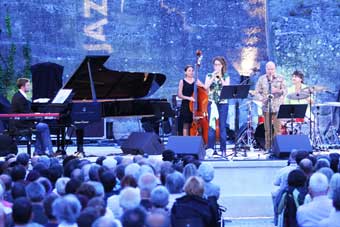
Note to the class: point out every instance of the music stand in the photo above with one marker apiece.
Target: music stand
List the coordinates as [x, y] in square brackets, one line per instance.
[235, 92]
[292, 111]
[164, 111]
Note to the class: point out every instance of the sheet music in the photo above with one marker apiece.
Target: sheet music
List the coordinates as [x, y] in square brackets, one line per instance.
[61, 96]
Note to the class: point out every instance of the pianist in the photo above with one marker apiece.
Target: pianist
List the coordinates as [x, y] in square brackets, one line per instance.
[21, 104]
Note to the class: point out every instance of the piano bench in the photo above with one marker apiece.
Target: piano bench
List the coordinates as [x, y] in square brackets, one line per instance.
[22, 135]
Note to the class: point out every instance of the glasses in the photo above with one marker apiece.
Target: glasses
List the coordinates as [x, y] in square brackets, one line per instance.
[217, 64]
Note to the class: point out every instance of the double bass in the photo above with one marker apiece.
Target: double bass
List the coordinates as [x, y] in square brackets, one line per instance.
[199, 108]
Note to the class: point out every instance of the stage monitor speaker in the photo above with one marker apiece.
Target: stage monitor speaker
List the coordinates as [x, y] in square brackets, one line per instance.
[284, 144]
[187, 145]
[7, 145]
[143, 143]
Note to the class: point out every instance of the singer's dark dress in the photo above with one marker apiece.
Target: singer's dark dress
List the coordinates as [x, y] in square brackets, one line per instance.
[188, 90]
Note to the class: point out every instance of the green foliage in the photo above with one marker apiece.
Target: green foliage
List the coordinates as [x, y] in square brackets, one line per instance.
[8, 72]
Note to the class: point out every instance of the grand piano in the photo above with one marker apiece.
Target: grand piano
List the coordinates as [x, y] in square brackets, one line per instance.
[99, 92]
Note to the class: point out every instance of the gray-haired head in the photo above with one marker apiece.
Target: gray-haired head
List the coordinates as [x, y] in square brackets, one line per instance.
[174, 182]
[146, 169]
[147, 182]
[94, 172]
[318, 184]
[160, 197]
[105, 222]
[206, 172]
[292, 156]
[44, 160]
[328, 172]
[322, 162]
[132, 169]
[61, 184]
[129, 198]
[35, 192]
[110, 162]
[99, 188]
[85, 171]
[66, 209]
[190, 170]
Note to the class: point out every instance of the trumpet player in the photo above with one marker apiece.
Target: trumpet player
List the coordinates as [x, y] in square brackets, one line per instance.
[271, 87]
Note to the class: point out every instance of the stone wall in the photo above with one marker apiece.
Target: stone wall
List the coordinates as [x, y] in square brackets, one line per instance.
[158, 36]
[305, 35]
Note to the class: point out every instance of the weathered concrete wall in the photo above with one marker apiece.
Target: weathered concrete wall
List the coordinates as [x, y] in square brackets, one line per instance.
[305, 35]
[141, 35]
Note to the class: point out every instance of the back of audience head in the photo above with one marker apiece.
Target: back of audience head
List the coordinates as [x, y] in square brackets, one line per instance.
[160, 197]
[7, 181]
[23, 159]
[158, 218]
[100, 160]
[301, 155]
[66, 209]
[133, 169]
[206, 172]
[336, 199]
[292, 156]
[110, 163]
[35, 192]
[128, 181]
[94, 172]
[321, 162]
[190, 170]
[318, 185]
[166, 168]
[47, 204]
[334, 160]
[55, 172]
[194, 186]
[21, 211]
[129, 198]
[99, 204]
[120, 171]
[328, 172]
[87, 217]
[135, 217]
[334, 183]
[297, 178]
[18, 173]
[99, 188]
[72, 186]
[108, 179]
[46, 183]
[147, 182]
[87, 190]
[104, 222]
[33, 175]
[306, 166]
[60, 185]
[174, 182]
[18, 190]
[168, 155]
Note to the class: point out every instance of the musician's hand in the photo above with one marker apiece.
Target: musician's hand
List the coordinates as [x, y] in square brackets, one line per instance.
[191, 99]
[276, 90]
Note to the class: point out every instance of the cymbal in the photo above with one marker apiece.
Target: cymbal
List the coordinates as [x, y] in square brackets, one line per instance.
[315, 88]
[297, 96]
[334, 104]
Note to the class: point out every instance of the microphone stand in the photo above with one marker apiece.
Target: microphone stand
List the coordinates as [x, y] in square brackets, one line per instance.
[270, 96]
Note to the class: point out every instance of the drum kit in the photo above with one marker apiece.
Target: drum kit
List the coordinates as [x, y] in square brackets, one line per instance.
[310, 125]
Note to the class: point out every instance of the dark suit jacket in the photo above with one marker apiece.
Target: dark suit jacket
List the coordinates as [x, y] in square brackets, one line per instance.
[21, 105]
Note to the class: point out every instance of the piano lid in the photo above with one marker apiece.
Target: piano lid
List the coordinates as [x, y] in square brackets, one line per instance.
[110, 84]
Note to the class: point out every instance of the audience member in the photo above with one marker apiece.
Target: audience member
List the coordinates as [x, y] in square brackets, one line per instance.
[206, 172]
[36, 193]
[22, 213]
[319, 208]
[66, 209]
[134, 217]
[334, 219]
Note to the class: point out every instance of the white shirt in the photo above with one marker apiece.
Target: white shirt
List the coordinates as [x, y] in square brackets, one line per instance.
[310, 214]
[332, 221]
